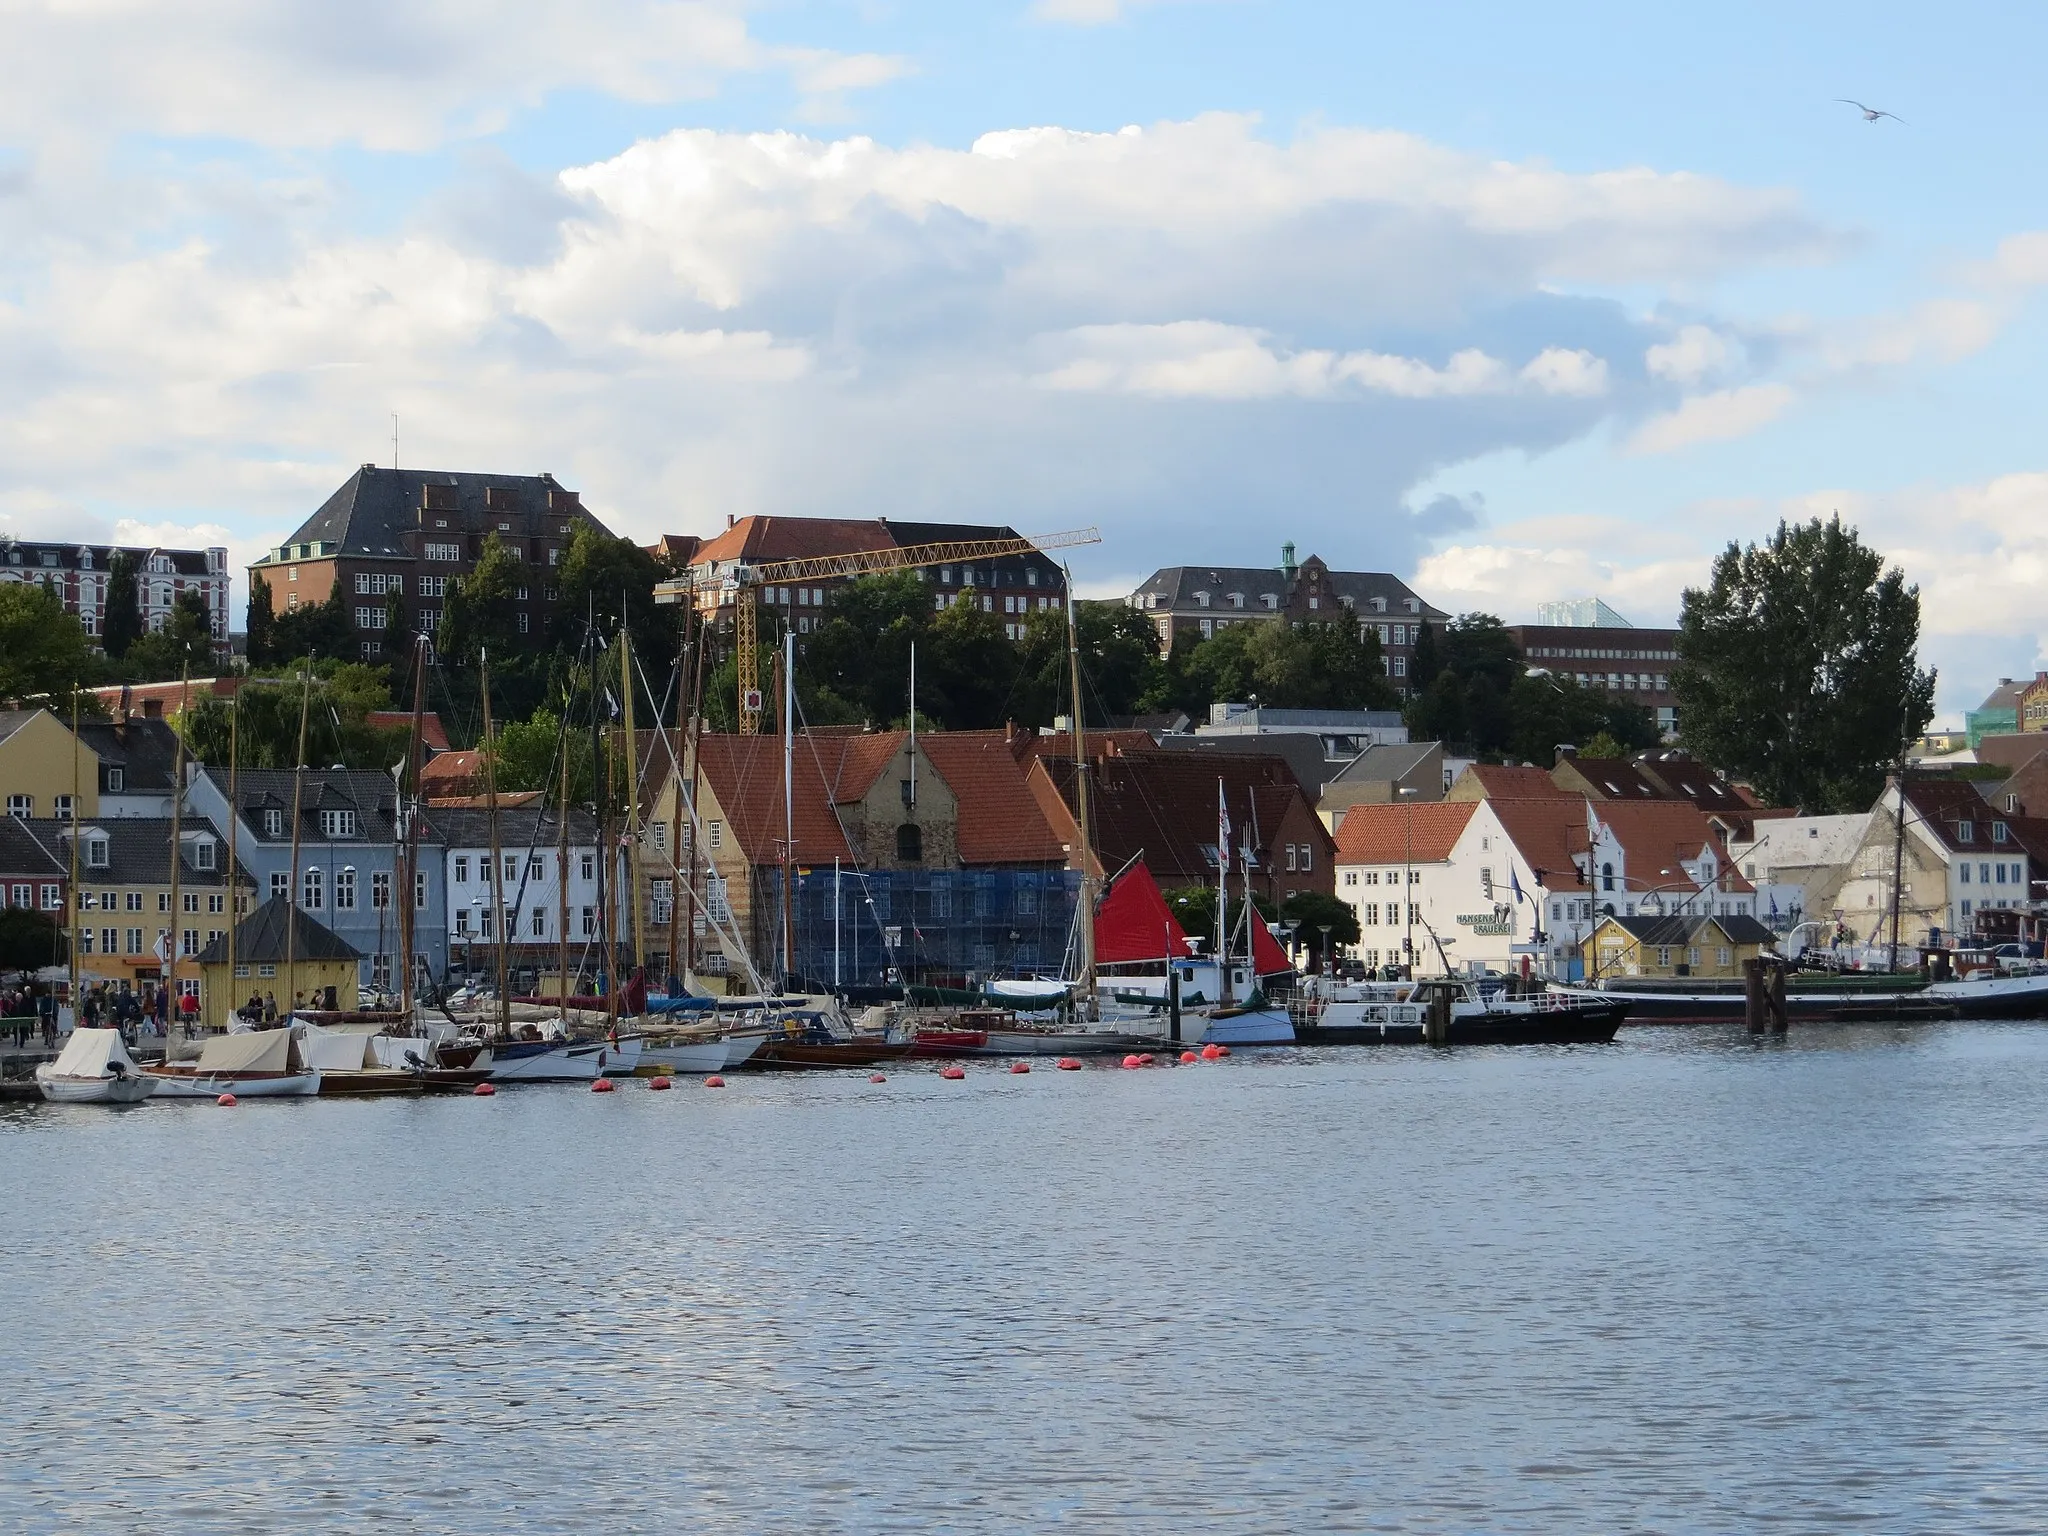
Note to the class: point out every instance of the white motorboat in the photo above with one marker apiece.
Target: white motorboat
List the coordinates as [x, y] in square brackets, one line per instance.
[94, 1068]
[563, 1061]
[683, 1058]
[261, 1064]
[742, 1045]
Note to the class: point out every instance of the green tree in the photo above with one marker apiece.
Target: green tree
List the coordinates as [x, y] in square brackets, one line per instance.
[1549, 710]
[398, 632]
[483, 612]
[1313, 911]
[601, 578]
[1424, 662]
[338, 729]
[43, 650]
[121, 619]
[1468, 702]
[313, 629]
[1119, 656]
[1194, 908]
[30, 940]
[1798, 667]
[526, 756]
[967, 672]
[261, 623]
[861, 653]
[185, 641]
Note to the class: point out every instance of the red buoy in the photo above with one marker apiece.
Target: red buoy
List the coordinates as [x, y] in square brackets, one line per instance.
[1020, 1066]
[1222, 1051]
[656, 1084]
[1068, 1064]
[952, 1074]
[714, 1081]
[226, 1101]
[876, 1077]
[1132, 1061]
[1211, 1052]
[1147, 1059]
[482, 1091]
[602, 1085]
[1189, 1056]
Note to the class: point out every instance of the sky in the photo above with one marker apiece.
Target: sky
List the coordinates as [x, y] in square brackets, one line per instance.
[1516, 302]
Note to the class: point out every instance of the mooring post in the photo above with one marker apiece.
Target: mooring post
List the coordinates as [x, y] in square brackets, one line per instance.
[1781, 1017]
[1437, 1019]
[1172, 1002]
[1753, 994]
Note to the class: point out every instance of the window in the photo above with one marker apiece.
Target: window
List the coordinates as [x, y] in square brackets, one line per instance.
[85, 941]
[335, 824]
[24, 895]
[1692, 957]
[533, 867]
[1606, 877]
[462, 868]
[380, 889]
[273, 823]
[134, 944]
[345, 890]
[1983, 874]
[589, 922]
[202, 853]
[1966, 832]
[163, 901]
[370, 618]
[1663, 955]
[216, 901]
[910, 843]
[315, 889]
[280, 883]
[189, 900]
[433, 551]
[714, 834]
[462, 920]
[1723, 957]
[511, 868]
[1290, 858]
[540, 923]
[53, 898]
[419, 890]
[433, 586]
[525, 623]
[64, 808]
[116, 777]
[96, 853]
[587, 865]
[1998, 831]
[21, 805]
[132, 901]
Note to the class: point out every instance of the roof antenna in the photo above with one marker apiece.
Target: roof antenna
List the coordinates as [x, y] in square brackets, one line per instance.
[394, 439]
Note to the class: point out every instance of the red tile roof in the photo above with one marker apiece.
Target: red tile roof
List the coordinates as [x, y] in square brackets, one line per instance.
[758, 539]
[1394, 834]
[452, 773]
[1550, 835]
[1657, 834]
[431, 732]
[745, 777]
[1000, 823]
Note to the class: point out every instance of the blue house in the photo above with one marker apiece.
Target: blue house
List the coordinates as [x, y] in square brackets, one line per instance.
[348, 857]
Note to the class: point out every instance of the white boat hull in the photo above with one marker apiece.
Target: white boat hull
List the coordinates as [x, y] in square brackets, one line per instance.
[575, 1062]
[1260, 1026]
[739, 1048]
[695, 1058]
[182, 1085]
[132, 1089]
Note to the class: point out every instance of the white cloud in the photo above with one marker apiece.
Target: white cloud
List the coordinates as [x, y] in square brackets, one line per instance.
[1090, 13]
[1567, 371]
[1718, 417]
[390, 74]
[1695, 354]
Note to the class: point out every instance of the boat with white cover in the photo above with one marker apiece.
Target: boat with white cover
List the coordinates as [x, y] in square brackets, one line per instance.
[260, 1064]
[94, 1068]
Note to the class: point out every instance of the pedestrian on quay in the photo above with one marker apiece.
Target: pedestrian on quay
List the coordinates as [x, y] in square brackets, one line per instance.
[269, 1008]
[46, 1010]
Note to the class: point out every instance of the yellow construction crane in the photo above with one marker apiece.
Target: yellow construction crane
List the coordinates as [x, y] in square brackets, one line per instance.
[743, 584]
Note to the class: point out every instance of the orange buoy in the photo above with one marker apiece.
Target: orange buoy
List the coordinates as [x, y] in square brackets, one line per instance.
[876, 1077]
[1020, 1066]
[1189, 1056]
[1222, 1051]
[602, 1085]
[1068, 1064]
[1211, 1052]
[227, 1101]
[1147, 1059]
[952, 1074]
[714, 1081]
[656, 1084]
[482, 1091]
[1132, 1061]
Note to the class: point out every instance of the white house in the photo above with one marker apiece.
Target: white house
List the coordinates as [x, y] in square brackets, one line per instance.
[528, 902]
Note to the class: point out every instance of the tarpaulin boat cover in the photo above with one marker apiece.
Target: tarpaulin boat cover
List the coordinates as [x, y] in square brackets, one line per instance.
[263, 1050]
[332, 1050]
[90, 1052]
[1133, 923]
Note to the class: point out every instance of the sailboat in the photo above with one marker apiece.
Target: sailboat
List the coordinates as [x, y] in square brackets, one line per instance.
[94, 1068]
[266, 1063]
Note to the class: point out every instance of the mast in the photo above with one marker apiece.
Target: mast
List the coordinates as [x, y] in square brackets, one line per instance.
[635, 904]
[676, 964]
[1899, 860]
[234, 826]
[76, 903]
[913, 727]
[788, 804]
[177, 855]
[292, 892]
[499, 920]
[1088, 879]
[600, 790]
[562, 870]
[690, 747]
[1222, 894]
[408, 819]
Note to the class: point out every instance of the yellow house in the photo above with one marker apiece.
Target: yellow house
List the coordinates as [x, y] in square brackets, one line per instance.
[42, 763]
[320, 970]
[1671, 948]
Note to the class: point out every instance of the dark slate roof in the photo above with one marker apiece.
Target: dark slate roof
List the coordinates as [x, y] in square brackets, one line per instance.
[31, 555]
[1175, 587]
[260, 939]
[24, 852]
[1302, 753]
[519, 827]
[145, 750]
[138, 851]
[371, 795]
[375, 507]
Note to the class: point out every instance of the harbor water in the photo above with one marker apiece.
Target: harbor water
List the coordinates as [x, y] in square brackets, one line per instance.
[1687, 1282]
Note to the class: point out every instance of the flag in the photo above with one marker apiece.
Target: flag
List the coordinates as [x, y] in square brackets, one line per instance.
[1222, 830]
[1515, 884]
[611, 701]
[1774, 906]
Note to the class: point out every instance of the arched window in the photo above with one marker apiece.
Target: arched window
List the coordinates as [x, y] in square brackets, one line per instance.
[910, 843]
[314, 890]
[1606, 877]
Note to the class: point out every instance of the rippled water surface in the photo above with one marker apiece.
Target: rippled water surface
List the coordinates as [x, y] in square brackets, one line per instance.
[1684, 1283]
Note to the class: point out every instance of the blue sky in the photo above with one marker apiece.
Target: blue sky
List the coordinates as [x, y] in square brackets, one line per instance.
[1519, 302]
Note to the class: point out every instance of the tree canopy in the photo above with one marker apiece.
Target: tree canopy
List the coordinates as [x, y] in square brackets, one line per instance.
[43, 650]
[1798, 667]
[1473, 691]
[338, 729]
[121, 618]
[1281, 665]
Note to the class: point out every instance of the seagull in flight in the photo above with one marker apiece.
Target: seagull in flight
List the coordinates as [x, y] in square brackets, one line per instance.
[1870, 114]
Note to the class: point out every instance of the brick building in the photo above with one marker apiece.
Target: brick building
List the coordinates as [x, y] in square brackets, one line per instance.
[1592, 644]
[1196, 601]
[78, 573]
[410, 532]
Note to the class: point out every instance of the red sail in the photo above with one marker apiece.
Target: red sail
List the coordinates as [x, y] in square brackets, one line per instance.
[1268, 959]
[1134, 925]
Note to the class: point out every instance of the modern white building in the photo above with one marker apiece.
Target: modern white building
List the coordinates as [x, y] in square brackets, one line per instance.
[528, 896]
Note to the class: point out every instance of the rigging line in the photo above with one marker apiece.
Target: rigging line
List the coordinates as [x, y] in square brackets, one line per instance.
[859, 871]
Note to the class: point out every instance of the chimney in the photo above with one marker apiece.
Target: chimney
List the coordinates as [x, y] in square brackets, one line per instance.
[127, 702]
[1566, 752]
[728, 519]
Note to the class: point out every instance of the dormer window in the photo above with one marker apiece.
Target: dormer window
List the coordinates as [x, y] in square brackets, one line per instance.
[338, 824]
[96, 852]
[202, 853]
[273, 823]
[1998, 831]
[1414, 605]
[1202, 599]
[116, 777]
[1271, 600]
[1237, 599]
[1966, 832]
[1379, 605]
